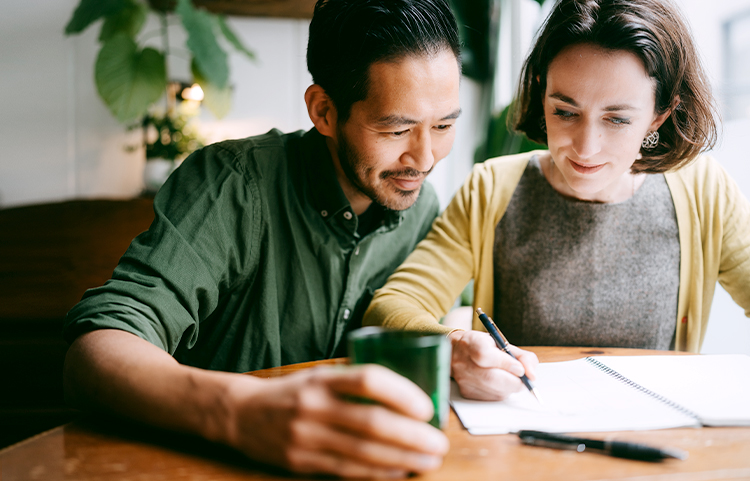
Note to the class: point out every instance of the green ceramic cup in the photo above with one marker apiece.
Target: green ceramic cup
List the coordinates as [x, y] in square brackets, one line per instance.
[425, 359]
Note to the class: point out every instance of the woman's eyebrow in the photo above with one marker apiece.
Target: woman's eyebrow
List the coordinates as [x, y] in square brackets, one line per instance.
[610, 108]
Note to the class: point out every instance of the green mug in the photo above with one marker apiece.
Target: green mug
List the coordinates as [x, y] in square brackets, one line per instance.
[425, 359]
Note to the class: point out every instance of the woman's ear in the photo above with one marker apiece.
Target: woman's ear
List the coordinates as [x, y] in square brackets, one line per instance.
[321, 110]
[661, 118]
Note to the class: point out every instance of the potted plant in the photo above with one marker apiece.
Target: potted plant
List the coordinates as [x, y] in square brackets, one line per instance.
[168, 137]
[132, 75]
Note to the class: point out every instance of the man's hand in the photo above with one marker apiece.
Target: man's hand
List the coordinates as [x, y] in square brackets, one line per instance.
[483, 371]
[304, 423]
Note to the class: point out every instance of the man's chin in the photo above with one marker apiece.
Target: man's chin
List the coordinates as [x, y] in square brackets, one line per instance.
[400, 199]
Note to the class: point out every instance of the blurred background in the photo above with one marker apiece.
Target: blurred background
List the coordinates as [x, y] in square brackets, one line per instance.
[60, 142]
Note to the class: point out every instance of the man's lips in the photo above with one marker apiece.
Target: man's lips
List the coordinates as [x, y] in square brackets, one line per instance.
[407, 183]
[585, 168]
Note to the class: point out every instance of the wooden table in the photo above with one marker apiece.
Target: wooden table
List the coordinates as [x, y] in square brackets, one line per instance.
[102, 449]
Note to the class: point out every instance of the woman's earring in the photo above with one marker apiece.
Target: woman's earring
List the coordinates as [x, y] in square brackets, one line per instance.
[543, 125]
[651, 140]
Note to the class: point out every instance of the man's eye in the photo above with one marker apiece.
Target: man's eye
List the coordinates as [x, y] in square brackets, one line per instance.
[443, 126]
[399, 133]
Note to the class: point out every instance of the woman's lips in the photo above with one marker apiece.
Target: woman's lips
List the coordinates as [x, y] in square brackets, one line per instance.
[585, 168]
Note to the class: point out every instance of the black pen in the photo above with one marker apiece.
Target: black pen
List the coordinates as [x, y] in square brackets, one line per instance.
[503, 345]
[619, 449]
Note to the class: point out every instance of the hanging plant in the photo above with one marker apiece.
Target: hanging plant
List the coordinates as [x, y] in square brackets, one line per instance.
[131, 77]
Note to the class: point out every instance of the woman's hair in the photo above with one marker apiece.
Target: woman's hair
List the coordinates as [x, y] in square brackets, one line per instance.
[655, 32]
[347, 36]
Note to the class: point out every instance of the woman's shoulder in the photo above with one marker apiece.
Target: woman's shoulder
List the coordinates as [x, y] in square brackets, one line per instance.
[701, 174]
[703, 182]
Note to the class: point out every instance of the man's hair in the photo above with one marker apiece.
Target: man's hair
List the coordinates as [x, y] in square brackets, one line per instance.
[655, 32]
[347, 36]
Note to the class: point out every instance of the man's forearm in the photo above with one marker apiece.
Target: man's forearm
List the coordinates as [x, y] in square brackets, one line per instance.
[115, 371]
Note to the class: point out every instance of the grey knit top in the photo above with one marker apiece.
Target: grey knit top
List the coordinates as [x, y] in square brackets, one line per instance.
[576, 273]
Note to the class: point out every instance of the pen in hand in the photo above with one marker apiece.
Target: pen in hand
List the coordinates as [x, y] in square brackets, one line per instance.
[503, 345]
[618, 449]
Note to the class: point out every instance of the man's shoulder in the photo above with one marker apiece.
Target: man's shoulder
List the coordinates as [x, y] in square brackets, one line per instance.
[272, 143]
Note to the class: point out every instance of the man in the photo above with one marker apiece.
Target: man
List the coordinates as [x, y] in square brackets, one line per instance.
[265, 251]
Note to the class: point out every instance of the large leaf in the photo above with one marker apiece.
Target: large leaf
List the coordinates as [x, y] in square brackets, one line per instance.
[233, 39]
[217, 100]
[209, 56]
[89, 11]
[129, 21]
[128, 79]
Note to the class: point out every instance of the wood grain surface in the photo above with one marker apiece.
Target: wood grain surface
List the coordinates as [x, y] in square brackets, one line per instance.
[104, 449]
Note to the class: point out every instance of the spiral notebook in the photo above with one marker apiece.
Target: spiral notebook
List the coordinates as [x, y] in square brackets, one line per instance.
[620, 393]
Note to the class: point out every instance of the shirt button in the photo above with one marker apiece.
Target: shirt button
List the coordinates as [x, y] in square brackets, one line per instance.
[348, 215]
[346, 313]
[324, 213]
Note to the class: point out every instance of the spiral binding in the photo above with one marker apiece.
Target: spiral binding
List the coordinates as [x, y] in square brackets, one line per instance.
[659, 397]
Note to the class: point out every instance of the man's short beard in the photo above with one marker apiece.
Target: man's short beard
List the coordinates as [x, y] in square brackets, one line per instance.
[356, 170]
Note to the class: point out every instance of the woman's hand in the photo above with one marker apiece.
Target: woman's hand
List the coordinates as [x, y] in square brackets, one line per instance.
[483, 371]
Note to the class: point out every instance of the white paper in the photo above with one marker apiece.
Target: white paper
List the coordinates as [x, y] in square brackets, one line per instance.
[579, 397]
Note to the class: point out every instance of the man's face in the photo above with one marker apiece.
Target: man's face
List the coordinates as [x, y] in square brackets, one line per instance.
[395, 136]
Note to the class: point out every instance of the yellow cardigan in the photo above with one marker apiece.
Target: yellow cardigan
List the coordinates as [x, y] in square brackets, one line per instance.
[713, 219]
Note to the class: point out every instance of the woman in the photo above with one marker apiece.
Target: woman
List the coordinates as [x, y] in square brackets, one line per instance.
[617, 234]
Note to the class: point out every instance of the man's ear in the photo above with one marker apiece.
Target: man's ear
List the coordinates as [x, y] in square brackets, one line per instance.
[321, 110]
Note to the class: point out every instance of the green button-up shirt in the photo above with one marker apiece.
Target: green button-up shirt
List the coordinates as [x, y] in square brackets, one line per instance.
[254, 259]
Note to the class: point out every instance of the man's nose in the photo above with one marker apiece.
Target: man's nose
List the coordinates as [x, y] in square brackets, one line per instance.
[419, 155]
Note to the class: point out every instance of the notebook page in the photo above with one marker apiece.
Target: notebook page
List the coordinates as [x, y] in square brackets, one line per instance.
[714, 386]
[577, 397]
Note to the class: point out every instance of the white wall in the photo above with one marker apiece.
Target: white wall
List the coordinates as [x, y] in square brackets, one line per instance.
[729, 329]
[60, 142]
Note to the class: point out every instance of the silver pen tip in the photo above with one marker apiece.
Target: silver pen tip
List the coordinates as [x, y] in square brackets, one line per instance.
[536, 395]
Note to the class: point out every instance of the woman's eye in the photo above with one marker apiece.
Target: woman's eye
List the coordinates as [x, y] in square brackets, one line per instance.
[564, 114]
[619, 120]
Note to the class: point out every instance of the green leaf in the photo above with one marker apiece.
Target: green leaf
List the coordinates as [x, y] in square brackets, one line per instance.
[233, 39]
[129, 80]
[502, 141]
[129, 21]
[216, 99]
[208, 55]
[89, 11]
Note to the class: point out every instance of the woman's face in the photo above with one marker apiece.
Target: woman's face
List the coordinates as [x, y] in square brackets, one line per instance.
[598, 106]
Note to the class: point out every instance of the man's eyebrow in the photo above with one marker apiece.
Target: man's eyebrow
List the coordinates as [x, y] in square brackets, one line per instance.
[391, 120]
[610, 108]
[453, 115]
